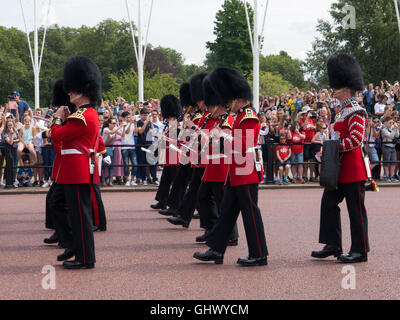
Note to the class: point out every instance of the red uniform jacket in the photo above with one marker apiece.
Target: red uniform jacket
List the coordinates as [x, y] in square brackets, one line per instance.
[218, 172]
[246, 130]
[201, 124]
[351, 127]
[56, 161]
[171, 156]
[79, 140]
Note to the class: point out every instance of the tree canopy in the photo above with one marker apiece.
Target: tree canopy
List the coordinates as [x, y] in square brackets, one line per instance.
[375, 41]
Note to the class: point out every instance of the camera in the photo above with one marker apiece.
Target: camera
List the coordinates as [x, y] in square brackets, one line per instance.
[313, 115]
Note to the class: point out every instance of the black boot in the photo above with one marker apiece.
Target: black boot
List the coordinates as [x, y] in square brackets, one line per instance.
[53, 239]
[74, 265]
[158, 206]
[178, 221]
[68, 254]
[326, 252]
[210, 255]
[252, 262]
[353, 257]
[170, 212]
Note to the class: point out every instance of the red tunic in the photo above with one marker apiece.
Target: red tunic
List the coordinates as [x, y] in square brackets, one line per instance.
[171, 155]
[218, 172]
[201, 124]
[56, 161]
[246, 130]
[78, 139]
[351, 127]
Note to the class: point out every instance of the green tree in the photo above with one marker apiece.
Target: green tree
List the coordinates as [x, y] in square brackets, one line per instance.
[273, 84]
[232, 47]
[375, 42]
[125, 84]
[290, 69]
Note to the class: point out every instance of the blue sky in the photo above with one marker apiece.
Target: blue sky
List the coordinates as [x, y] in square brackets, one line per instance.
[185, 25]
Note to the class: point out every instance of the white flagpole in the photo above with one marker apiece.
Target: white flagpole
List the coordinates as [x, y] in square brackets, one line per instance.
[36, 56]
[396, 5]
[256, 61]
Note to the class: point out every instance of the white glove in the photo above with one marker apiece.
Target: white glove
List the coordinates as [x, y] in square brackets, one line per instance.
[107, 160]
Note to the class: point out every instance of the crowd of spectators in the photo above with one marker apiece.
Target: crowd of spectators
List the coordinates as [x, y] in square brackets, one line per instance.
[297, 123]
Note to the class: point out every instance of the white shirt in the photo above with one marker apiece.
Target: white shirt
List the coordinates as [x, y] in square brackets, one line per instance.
[379, 108]
[129, 138]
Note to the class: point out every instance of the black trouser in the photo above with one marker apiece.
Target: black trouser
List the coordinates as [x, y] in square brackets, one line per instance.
[167, 179]
[189, 202]
[209, 199]
[331, 229]
[141, 155]
[242, 199]
[100, 206]
[49, 214]
[179, 186]
[78, 211]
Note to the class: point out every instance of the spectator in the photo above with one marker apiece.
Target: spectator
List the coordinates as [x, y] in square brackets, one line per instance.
[321, 135]
[308, 120]
[389, 133]
[297, 159]
[10, 136]
[368, 97]
[380, 106]
[145, 140]
[38, 173]
[12, 107]
[118, 170]
[48, 154]
[23, 106]
[26, 135]
[109, 132]
[2, 143]
[371, 135]
[128, 149]
[283, 154]
[25, 174]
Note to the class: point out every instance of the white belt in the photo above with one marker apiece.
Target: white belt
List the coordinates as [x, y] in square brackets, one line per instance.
[72, 151]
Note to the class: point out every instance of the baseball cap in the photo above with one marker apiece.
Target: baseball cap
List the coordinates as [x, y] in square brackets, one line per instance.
[16, 93]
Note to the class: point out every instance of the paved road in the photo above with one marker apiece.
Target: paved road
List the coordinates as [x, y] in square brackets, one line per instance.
[141, 256]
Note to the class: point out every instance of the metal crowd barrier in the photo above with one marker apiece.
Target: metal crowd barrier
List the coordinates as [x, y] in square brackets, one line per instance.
[268, 147]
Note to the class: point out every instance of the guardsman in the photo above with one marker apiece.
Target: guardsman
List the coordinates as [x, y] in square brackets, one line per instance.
[79, 139]
[211, 191]
[189, 202]
[244, 176]
[60, 98]
[346, 78]
[171, 111]
[184, 173]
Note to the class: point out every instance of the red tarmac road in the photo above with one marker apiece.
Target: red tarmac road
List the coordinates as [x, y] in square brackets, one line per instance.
[143, 257]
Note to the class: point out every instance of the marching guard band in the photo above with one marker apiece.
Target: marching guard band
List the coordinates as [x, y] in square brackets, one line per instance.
[212, 163]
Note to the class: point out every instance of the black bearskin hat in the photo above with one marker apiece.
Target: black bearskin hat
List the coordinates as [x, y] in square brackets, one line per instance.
[230, 85]
[185, 95]
[210, 97]
[196, 87]
[82, 75]
[60, 97]
[345, 72]
[170, 107]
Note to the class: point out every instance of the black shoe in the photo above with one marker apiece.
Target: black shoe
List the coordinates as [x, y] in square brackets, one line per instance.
[203, 237]
[353, 257]
[178, 221]
[326, 252]
[233, 242]
[99, 228]
[170, 212]
[252, 262]
[68, 254]
[52, 240]
[196, 216]
[210, 255]
[74, 265]
[158, 206]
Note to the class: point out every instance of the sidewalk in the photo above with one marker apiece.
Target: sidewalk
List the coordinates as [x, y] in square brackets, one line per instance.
[152, 188]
